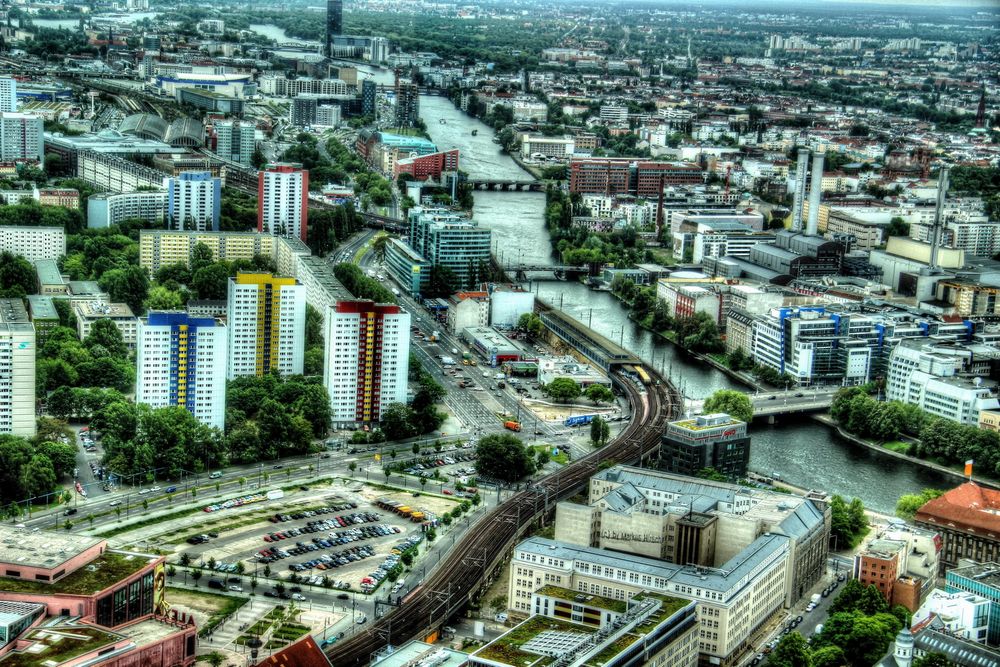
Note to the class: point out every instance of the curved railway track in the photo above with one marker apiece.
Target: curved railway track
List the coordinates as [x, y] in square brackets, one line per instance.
[470, 562]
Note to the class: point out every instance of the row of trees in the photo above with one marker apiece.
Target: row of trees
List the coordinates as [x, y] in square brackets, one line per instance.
[504, 457]
[858, 632]
[360, 285]
[938, 439]
[200, 278]
[401, 421]
[566, 389]
[698, 333]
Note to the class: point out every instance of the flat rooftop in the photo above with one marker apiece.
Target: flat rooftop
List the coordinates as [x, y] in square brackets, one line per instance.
[42, 307]
[578, 597]
[100, 309]
[416, 653]
[44, 549]
[987, 574]
[58, 643]
[48, 272]
[12, 311]
[555, 633]
[106, 570]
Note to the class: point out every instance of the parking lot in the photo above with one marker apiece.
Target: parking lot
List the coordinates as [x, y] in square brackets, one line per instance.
[341, 538]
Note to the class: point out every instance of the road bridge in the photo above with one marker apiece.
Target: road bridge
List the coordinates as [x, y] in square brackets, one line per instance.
[777, 403]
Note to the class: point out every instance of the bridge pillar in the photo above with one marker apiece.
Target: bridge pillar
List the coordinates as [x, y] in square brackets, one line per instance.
[771, 420]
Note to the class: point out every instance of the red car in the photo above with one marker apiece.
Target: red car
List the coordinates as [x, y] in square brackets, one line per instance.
[447, 492]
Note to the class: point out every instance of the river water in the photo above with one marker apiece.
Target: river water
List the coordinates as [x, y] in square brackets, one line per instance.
[803, 452]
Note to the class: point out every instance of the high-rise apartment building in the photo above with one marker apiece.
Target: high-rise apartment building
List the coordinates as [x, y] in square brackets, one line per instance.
[235, 141]
[407, 103]
[33, 243]
[21, 136]
[8, 94]
[443, 238]
[266, 320]
[17, 369]
[367, 353]
[181, 360]
[334, 23]
[194, 201]
[283, 200]
[369, 93]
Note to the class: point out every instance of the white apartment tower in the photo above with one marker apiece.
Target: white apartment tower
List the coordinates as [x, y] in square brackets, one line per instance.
[282, 196]
[17, 369]
[181, 360]
[367, 359]
[8, 95]
[21, 137]
[266, 320]
[194, 201]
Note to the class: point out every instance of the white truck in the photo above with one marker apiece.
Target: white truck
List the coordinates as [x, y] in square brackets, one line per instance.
[447, 361]
[816, 597]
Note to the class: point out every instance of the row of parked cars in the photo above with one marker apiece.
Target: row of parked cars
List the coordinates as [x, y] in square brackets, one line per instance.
[335, 560]
[426, 465]
[373, 579]
[317, 526]
[332, 540]
[339, 507]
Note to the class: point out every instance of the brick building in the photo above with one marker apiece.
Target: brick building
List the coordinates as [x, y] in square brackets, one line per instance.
[967, 519]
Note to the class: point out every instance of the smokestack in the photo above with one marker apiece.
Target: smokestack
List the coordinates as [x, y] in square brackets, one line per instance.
[799, 195]
[815, 191]
[938, 214]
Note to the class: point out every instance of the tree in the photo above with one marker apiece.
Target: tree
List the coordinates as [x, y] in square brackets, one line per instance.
[127, 285]
[599, 431]
[734, 403]
[212, 281]
[598, 393]
[897, 227]
[908, 504]
[791, 651]
[503, 456]
[828, 656]
[215, 659]
[17, 276]
[38, 477]
[531, 324]
[398, 422]
[195, 575]
[562, 389]
[163, 298]
[105, 338]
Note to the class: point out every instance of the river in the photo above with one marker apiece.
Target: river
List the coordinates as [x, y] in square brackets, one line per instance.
[803, 452]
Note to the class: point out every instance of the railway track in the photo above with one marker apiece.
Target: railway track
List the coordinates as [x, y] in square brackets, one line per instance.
[483, 549]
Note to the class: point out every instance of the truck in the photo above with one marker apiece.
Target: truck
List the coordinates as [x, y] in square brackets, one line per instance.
[447, 361]
[815, 598]
[434, 336]
[512, 426]
[579, 420]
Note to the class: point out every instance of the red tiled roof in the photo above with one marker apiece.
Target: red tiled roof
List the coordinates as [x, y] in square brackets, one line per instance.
[303, 653]
[968, 506]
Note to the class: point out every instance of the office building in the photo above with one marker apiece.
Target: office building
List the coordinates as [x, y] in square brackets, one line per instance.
[367, 357]
[159, 248]
[21, 137]
[328, 115]
[444, 238]
[983, 580]
[579, 629]
[635, 176]
[732, 601]
[283, 200]
[410, 269]
[963, 614]
[266, 320]
[51, 282]
[302, 113]
[88, 313]
[17, 369]
[104, 209]
[554, 148]
[334, 23]
[33, 243]
[235, 141]
[882, 564]
[944, 379]
[966, 519]
[44, 316]
[213, 101]
[424, 167]
[686, 520]
[707, 441]
[181, 361]
[507, 305]
[68, 599]
[194, 201]
[8, 94]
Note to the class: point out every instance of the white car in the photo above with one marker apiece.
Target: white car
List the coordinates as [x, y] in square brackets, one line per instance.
[298, 597]
[236, 589]
[501, 617]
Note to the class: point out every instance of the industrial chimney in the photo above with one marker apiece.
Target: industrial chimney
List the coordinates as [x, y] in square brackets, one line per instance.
[815, 192]
[938, 214]
[798, 197]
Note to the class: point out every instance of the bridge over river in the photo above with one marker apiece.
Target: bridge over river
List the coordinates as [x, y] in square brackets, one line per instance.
[772, 404]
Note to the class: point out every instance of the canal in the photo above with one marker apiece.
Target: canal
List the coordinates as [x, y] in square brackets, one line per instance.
[803, 452]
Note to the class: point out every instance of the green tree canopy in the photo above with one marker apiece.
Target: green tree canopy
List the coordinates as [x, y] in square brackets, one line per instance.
[504, 457]
[562, 389]
[734, 403]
